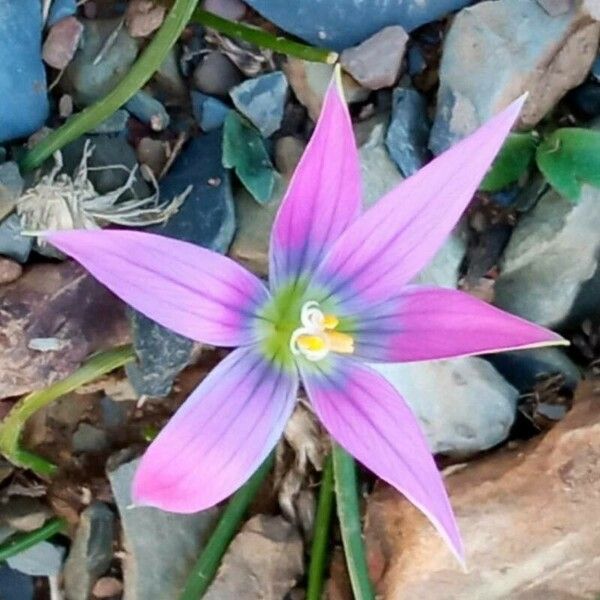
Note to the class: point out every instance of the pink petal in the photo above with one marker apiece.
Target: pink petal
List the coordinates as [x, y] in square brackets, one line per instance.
[323, 197]
[364, 413]
[397, 237]
[219, 437]
[425, 323]
[191, 290]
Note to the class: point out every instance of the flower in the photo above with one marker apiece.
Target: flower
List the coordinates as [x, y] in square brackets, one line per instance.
[339, 295]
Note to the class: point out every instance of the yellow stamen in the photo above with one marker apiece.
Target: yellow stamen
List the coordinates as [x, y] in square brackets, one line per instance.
[311, 343]
[340, 342]
[330, 321]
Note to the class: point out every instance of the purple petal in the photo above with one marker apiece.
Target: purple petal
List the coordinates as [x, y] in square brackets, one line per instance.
[426, 323]
[190, 290]
[323, 197]
[397, 237]
[219, 437]
[364, 413]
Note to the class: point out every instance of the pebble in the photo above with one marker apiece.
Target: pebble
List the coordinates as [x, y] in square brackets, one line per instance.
[148, 110]
[43, 559]
[143, 17]
[408, 131]
[234, 10]
[9, 270]
[107, 587]
[24, 514]
[12, 243]
[556, 7]
[11, 187]
[22, 86]
[62, 42]
[152, 153]
[216, 75]
[376, 63]
[88, 438]
[209, 112]
[262, 101]
[116, 123]
[61, 9]
[15, 585]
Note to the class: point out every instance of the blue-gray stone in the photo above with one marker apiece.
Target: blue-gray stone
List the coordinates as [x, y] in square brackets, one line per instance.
[339, 24]
[61, 9]
[22, 74]
[207, 219]
[15, 585]
[596, 69]
[11, 187]
[416, 61]
[43, 559]
[116, 123]
[262, 101]
[148, 110]
[408, 132]
[12, 243]
[209, 112]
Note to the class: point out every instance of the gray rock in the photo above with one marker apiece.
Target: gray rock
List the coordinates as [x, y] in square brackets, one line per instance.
[43, 559]
[88, 438]
[148, 110]
[168, 79]
[15, 585]
[22, 78]
[100, 63]
[233, 10]
[262, 100]
[408, 131]
[24, 514]
[508, 47]
[216, 74]
[464, 404]
[161, 547]
[91, 551]
[556, 7]
[12, 243]
[207, 219]
[552, 253]
[339, 24]
[11, 187]
[114, 414]
[376, 62]
[209, 112]
[116, 123]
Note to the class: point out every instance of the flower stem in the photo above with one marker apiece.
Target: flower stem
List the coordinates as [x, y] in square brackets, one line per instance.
[14, 422]
[264, 39]
[346, 492]
[208, 562]
[318, 551]
[146, 65]
[22, 541]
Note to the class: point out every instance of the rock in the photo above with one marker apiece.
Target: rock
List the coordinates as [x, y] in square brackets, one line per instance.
[88, 438]
[61, 9]
[24, 514]
[376, 62]
[556, 7]
[11, 187]
[12, 243]
[149, 111]
[23, 85]
[107, 587]
[234, 10]
[585, 99]
[216, 75]
[169, 82]
[151, 569]
[531, 489]
[114, 414]
[97, 66]
[43, 559]
[153, 154]
[9, 270]
[142, 17]
[339, 24]
[37, 306]
[91, 551]
[508, 47]
[408, 131]
[463, 404]
[244, 150]
[309, 80]
[206, 218]
[262, 101]
[552, 253]
[15, 585]
[116, 123]
[209, 112]
[265, 560]
[62, 42]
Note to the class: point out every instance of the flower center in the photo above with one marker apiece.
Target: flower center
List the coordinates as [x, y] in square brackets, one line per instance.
[317, 336]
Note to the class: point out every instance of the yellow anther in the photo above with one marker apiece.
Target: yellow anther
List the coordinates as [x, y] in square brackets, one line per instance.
[330, 321]
[311, 343]
[340, 342]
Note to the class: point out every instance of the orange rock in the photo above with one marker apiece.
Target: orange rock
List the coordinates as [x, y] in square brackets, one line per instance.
[529, 516]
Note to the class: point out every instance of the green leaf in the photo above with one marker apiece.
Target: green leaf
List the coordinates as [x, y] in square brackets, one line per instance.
[570, 157]
[244, 150]
[512, 161]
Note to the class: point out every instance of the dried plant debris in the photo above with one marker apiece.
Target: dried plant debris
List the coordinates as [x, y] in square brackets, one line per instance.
[548, 403]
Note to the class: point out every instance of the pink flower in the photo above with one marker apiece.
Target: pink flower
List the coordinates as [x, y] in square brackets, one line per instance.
[338, 295]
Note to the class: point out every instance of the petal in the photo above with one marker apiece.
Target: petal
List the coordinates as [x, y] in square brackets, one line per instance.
[388, 245]
[220, 435]
[190, 290]
[323, 197]
[366, 415]
[426, 323]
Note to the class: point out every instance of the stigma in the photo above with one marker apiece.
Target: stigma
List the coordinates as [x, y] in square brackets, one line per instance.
[317, 337]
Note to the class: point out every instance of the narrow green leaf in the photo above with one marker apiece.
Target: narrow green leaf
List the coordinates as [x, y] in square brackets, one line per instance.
[570, 157]
[512, 161]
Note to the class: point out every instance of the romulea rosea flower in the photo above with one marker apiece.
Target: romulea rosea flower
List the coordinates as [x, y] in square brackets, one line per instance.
[339, 296]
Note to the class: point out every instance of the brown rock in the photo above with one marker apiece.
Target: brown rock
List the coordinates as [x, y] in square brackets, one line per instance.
[62, 42]
[9, 270]
[143, 17]
[54, 301]
[529, 516]
[107, 587]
